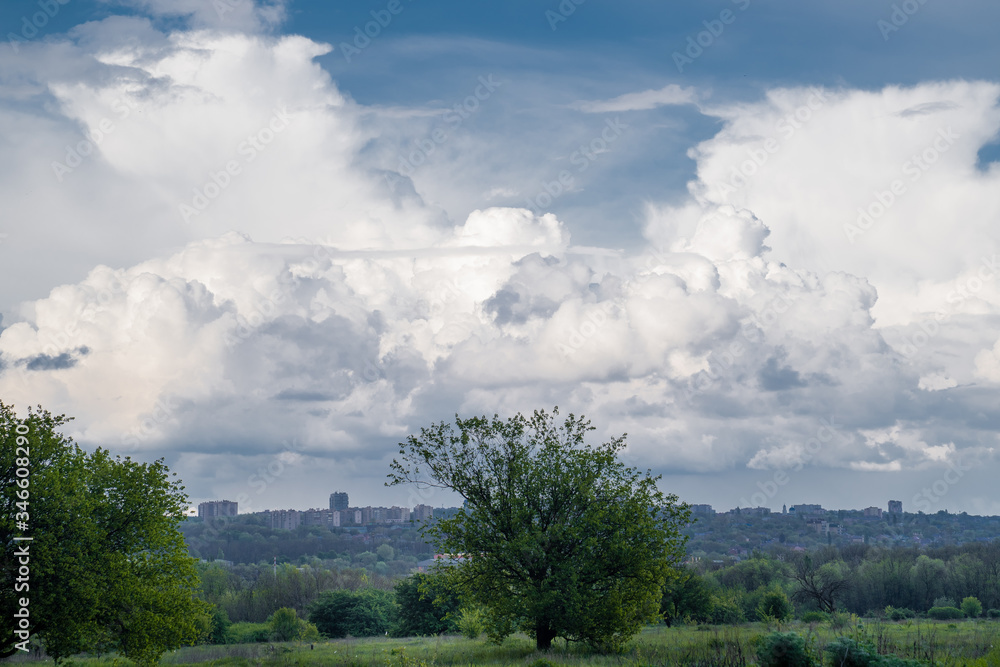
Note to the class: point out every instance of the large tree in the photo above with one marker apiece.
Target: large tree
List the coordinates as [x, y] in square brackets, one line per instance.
[108, 567]
[557, 537]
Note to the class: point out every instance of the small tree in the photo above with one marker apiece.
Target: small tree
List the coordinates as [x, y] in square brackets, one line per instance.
[285, 625]
[367, 613]
[972, 607]
[562, 539]
[425, 606]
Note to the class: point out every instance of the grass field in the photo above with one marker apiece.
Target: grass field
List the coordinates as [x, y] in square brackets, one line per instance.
[935, 643]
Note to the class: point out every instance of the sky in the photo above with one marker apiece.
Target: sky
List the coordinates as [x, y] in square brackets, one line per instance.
[268, 240]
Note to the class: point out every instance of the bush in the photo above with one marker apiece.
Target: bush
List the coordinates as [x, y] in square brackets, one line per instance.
[780, 649]
[774, 604]
[248, 633]
[471, 622]
[814, 617]
[899, 614]
[366, 613]
[944, 601]
[726, 611]
[972, 607]
[845, 652]
[993, 613]
[945, 613]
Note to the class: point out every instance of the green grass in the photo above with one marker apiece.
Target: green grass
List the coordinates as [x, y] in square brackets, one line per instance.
[938, 643]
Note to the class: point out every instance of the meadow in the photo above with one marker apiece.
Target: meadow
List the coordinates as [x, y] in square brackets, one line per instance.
[972, 643]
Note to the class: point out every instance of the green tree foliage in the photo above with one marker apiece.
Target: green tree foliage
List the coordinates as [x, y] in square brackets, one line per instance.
[563, 539]
[109, 568]
[972, 607]
[784, 650]
[384, 552]
[425, 606]
[774, 604]
[686, 596]
[945, 613]
[366, 613]
[823, 585]
[285, 625]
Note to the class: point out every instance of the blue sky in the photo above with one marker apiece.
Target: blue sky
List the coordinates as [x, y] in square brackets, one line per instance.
[239, 236]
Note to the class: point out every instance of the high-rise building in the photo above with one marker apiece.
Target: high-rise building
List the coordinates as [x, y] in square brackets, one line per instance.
[895, 507]
[214, 508]
[339, 501]
[423, 513]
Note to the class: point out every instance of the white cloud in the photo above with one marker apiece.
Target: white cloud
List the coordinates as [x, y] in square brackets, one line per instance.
[669, 95]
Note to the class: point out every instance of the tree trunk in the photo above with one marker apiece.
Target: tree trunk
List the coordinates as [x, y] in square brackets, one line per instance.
[544, 634]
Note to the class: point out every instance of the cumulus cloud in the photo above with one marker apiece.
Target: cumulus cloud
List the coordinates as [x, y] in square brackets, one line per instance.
[264, 297]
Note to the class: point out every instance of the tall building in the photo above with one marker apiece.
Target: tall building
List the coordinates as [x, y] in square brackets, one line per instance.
[214, 508]
[873, 512]
[702, 509]
[339, 501]
[895, 507]
[423, 513]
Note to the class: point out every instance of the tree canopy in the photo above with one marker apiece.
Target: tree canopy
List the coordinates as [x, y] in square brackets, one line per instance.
[558, 537]
[108, 566]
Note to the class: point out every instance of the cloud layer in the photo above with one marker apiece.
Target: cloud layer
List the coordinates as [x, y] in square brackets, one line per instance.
[825, 297]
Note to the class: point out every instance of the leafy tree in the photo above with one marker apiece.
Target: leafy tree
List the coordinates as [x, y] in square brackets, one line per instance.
[686, 596]
[823, 585]
[563, 539]
[366, 613]
[972, 607]
[285, 625]
[384, 552]
[108, 566]
[425, 606]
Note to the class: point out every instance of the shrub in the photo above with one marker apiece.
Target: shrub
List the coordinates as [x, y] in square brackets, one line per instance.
[786, 649]
[945, 613]
[993, 613]
[471, 622]
[840, 620]
[366, 613]
[726, 611]
[972, 607]
[774, 604]
[944, 601]
[899, 614]
[248, 633]
[814, 617]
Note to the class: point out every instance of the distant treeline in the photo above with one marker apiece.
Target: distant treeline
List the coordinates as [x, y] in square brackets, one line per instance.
[857, 578]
